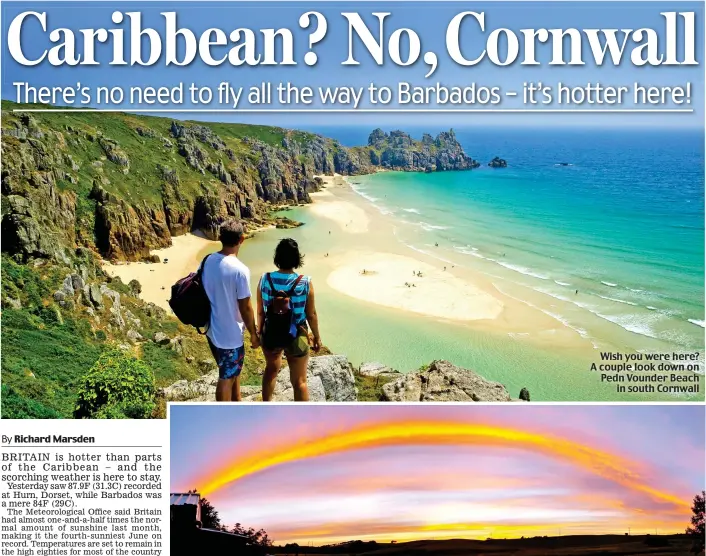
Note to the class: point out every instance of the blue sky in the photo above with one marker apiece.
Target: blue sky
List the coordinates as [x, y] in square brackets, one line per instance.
[429, 20]
[325, 474]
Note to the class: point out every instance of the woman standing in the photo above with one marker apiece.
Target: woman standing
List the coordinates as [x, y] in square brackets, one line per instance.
[285, 303]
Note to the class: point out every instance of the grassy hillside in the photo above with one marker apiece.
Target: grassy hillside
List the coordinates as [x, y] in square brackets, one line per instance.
[48, 348]
[52, 165]
[81, 186]
[123, 184]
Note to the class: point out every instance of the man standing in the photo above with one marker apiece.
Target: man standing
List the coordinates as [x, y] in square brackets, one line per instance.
[227, 284]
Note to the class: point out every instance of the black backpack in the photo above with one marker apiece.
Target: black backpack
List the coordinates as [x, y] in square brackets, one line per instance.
[189, 300]
[279, 330]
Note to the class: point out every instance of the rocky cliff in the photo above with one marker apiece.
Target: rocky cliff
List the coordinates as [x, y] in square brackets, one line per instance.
[123, 185]
[333, 378]
[78, 187]
[398, 151]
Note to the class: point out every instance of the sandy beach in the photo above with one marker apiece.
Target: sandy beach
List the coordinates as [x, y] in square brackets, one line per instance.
[391, 314]
[157, 278]
[411, 285]
[450, 294]
[349, 217]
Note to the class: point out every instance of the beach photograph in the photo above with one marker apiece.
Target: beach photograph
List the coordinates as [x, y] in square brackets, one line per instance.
[159, 250]
[437, 277]
[438, 479]
[525, 302]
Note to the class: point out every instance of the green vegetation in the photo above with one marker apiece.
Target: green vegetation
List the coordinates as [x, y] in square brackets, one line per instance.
[117, 385]
[49, 352]
[78, 183]
[137, 136]
[370, 387]
[78, 186]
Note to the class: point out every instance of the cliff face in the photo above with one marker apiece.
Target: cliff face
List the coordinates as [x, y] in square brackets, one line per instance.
[122, 185]
[398, 151]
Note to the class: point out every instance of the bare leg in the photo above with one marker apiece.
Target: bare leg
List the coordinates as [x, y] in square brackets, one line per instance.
[297, 375]
[235, 394]
[272, 366]
[224, 389]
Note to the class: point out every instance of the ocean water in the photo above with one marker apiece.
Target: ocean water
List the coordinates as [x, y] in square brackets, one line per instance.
[616, 215]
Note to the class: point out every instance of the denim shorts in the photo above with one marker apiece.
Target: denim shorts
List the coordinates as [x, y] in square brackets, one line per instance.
[229, 361]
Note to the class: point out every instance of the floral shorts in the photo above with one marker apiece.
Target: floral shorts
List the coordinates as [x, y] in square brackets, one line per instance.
[229, 361]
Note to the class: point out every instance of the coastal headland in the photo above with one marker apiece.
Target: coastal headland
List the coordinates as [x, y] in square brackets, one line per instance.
[104, 212]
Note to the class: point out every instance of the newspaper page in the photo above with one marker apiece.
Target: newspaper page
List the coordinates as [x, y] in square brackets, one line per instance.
[328, 277]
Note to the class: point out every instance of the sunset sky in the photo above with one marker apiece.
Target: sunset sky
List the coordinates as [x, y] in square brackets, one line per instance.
[323, 474]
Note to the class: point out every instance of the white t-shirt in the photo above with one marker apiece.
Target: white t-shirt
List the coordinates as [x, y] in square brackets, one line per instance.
[226, 280]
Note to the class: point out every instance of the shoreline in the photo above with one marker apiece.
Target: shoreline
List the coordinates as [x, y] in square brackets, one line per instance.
[362, 238]
[445, 292]
[455, 295]
[475, 320]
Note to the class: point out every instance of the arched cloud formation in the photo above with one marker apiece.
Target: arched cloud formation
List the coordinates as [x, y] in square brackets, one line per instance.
[608, 466]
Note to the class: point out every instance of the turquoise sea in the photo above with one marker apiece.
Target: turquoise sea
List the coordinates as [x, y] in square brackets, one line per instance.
[601, 229]
[622, 223]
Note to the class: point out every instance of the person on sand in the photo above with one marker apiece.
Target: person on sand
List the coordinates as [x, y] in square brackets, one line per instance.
[300, 292]
[227, 283]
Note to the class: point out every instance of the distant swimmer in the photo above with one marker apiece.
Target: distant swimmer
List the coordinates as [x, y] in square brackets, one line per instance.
[444, 269]
[577, 292]
[436, 245]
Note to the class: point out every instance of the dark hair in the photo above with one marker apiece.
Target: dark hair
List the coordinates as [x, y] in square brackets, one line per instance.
[231, 233]
[287, 254]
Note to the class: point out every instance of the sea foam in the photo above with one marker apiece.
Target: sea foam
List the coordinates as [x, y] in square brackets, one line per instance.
[431, 227]
[523, 270]
[617, 300]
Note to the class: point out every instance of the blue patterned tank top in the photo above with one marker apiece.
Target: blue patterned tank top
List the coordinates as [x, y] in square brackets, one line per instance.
[284, 281]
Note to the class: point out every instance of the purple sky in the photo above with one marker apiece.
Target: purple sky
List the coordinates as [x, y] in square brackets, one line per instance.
[331, 473]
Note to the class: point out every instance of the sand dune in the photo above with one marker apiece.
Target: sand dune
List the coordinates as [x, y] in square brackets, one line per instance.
[437, 293]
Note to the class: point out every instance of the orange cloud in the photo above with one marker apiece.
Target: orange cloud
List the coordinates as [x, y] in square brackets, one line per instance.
[603, 464]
